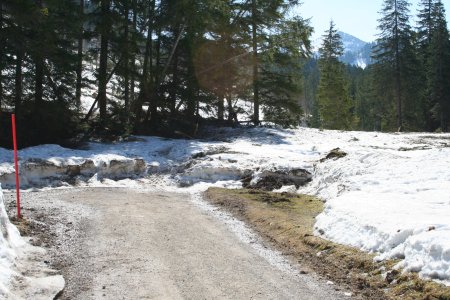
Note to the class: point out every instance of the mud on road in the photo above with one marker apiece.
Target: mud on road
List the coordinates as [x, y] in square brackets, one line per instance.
[114, 243]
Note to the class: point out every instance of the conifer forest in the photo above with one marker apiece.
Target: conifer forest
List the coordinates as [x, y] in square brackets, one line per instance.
[166, 67]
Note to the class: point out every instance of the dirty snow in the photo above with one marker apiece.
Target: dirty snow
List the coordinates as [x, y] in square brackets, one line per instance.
[23, 275]
[10, 241]
[390, 194]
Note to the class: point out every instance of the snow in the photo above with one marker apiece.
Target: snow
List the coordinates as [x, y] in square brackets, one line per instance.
[17, 256]
[10, 241]
[390, 195]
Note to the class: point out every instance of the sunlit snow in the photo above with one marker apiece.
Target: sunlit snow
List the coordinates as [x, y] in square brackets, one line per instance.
[390, 194]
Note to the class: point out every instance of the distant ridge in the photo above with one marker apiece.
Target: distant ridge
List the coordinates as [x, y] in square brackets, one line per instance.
[356, 51]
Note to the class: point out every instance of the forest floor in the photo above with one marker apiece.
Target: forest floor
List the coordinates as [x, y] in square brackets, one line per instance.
[118, 243]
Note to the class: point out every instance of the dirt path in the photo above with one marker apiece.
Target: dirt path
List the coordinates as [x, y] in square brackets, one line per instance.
[122, 244]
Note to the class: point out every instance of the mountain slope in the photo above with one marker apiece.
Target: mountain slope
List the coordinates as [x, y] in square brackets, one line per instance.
[356, 51]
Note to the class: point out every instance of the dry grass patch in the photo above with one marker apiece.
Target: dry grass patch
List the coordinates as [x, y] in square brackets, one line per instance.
[22, 224]
[287, 220]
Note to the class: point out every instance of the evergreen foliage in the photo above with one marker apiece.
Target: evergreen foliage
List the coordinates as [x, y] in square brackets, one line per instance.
[333, 97]
[37, 66]
[434, 45]
[410, 68]
[152, 66]
[281, 80]
[394, 58]
[157, 67]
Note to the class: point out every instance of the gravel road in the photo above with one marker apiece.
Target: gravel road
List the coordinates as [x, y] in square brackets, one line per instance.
[124, 244]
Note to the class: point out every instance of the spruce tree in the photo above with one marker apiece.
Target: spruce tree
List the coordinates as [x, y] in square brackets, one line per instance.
[433, 49]
[397, 65]
[438, 68]
[261, 19]
[425, 25]
[423, 45]
[104, 31]
[5, 61]
[154, 49]
[79, 68]
[38, 56]
[311, 75]
[2, 53]
[281, 78]
[333, 98]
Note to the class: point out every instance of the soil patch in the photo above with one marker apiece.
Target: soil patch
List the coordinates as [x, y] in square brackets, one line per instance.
[287, 220]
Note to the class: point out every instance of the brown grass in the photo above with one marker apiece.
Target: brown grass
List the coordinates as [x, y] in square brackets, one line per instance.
[287, 220]
[23, 225]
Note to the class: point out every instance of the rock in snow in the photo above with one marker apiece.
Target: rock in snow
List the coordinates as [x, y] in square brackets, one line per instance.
[275, 180]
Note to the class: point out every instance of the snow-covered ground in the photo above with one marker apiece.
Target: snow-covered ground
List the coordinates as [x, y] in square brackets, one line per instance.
[23, 274]
[389, 195]
[10, 241]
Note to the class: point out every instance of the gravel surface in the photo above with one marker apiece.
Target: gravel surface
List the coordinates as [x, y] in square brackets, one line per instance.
[124, 244]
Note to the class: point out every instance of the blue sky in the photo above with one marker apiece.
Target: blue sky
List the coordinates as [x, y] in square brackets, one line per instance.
[356, 17]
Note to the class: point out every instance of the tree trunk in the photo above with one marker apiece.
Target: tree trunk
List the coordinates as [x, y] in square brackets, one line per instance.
[1, 85]
[220, 107]
[146, 69]
[133, 56]
[39, 69]
[2, 46]
[103, 68]
[191, 101]
[126, 57]
[173, 90]
[430, 22]
[157, 77]
[18, 80]
[397, 73]
[145, 84]
[232, 116]
[255, 65]
[39, 82]
[158, 57]
[153, 108]
[79, 70]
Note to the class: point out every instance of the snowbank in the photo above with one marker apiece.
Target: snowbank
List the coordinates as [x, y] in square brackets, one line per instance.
[390, 194]
[17, 258]
[10, 241]
[48, 165]
[395, 202]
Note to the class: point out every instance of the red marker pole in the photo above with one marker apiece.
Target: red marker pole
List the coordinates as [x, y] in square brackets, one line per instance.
[16, 165]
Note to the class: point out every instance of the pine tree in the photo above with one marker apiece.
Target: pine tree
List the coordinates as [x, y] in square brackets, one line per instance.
[5, 61]
[281, 78]
[2, 53]
[396, 62]
[438, 68]
[333, 97]
[261, 18]
[311, 75]
[255, 63]
[79, 68]
[424, 36]
[104, 30]
[38, 47]
[432, 47]
[425, 25]
[161, 50]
